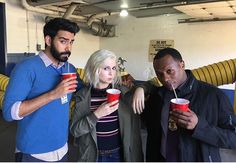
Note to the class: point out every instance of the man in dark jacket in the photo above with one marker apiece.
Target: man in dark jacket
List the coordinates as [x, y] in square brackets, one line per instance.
[209, 124]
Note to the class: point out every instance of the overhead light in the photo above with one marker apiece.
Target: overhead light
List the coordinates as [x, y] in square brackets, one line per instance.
[124, 13]
[124, 5]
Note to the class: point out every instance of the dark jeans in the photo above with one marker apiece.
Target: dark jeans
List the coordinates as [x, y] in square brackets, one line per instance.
[111, 156]
[22, 157]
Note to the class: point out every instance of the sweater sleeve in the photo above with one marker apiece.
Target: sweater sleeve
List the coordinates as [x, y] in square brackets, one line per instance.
[18, 88]
[221, 133]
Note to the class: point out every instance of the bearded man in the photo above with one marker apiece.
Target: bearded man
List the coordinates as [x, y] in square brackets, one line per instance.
[38, 99]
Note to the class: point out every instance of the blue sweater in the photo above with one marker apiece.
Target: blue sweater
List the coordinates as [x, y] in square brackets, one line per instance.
[46, 129]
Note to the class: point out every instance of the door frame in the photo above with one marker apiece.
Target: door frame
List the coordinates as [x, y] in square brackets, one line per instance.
[3, 39]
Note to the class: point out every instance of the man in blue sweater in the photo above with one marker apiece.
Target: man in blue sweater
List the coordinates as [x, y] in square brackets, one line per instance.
[39, 100]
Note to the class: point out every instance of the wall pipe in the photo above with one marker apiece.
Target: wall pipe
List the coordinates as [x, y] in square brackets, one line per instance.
[70, 10]
[50, 12]
[96, 27]
[38, 10]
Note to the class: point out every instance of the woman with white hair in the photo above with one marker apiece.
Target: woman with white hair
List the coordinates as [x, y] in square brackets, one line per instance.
[105, 132]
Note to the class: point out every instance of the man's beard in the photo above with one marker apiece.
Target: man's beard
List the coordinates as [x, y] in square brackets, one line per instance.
[60, 56]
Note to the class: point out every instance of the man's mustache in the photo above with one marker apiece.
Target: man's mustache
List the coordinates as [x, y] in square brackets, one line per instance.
[68, 53]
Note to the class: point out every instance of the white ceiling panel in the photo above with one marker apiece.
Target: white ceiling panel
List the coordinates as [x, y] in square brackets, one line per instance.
[188, 7]
[224, 15]
[214, 5]
[223, 9]
[233, 3]
[219, 10]
[197, 15]
[234, 8]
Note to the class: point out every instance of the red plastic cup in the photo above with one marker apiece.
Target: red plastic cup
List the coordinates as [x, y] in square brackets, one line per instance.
[112, 95]
[68, 75]
[179, 103]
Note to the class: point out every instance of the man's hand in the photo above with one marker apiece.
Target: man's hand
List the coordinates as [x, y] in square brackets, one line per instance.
[64, 87]
[187, 120]
[138, 100]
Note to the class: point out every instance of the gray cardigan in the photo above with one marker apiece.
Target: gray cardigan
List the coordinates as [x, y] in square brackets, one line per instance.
[83, 128]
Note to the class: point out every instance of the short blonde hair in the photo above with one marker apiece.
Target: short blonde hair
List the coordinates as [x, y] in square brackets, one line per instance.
[94, 64]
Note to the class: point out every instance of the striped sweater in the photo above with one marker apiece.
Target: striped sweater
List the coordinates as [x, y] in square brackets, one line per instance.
[108, 135]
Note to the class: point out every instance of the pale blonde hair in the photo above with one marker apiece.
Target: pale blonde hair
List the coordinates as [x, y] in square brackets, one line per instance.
[94, 64]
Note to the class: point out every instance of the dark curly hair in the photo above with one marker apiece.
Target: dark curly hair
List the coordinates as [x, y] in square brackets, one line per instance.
[54, 25]
[168, 51]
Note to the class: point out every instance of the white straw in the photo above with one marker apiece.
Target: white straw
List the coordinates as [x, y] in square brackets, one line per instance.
[174, 93]
[68, 64]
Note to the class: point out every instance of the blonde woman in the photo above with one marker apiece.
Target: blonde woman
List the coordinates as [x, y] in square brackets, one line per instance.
[105, 131]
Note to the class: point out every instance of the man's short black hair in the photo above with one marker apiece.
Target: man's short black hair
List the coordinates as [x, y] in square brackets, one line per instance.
[54, 25]
[168, 51]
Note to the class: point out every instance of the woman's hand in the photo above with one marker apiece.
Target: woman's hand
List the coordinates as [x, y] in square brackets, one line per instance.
[106, 109]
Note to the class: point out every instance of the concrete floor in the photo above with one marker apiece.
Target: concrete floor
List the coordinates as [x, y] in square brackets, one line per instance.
[7, 140]
[7, 144]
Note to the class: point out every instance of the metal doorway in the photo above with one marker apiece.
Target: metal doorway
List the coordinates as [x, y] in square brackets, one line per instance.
[3, 39]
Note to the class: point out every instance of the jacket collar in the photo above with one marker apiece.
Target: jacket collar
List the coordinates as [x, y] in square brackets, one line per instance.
[187, 86]
[184, 89]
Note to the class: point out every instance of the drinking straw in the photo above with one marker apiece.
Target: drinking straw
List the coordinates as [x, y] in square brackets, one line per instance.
[174, 92]
[68, 65]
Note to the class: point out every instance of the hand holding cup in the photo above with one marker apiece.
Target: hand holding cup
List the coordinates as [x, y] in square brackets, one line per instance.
[72, 83]
[112, 95]
[176, 105]
[106, 109]
[180, 104]
[182, 115]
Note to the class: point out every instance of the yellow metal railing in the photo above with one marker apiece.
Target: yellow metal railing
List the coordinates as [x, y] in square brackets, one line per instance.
[3, 85]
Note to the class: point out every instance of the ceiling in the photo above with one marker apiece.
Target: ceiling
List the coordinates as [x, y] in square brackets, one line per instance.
[215, 11]
[93, 12]
[142, 8]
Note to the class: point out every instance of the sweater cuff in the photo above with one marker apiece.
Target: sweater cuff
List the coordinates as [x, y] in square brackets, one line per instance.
[15, 111]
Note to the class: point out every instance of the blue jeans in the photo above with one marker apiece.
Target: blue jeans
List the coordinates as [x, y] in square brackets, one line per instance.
[113, 156]
[22, 157]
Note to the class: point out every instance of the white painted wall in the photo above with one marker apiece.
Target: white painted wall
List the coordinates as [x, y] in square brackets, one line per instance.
[25, 30]
[200, 43]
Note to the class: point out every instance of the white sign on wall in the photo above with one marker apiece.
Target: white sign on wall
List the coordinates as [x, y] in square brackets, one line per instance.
[156, 45]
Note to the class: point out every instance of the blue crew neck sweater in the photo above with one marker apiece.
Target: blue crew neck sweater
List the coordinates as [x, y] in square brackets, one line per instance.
[46, 129]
